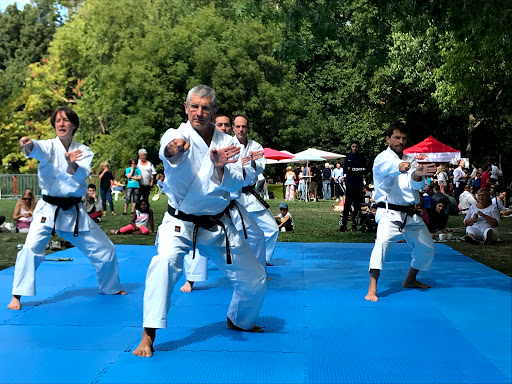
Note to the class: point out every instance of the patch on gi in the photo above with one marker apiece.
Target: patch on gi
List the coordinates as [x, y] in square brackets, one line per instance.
[177, 228]
[43, 219]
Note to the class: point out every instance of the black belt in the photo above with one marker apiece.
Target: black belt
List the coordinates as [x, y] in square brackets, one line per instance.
[233, 204]
[203, 221]
[409, 209]
[65, 203]
[250, 189]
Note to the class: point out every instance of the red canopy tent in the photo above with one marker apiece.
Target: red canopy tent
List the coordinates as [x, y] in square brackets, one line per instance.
[435, 151]
[272, 154]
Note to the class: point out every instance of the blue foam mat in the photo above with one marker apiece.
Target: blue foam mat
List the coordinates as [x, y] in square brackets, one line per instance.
[318, 327]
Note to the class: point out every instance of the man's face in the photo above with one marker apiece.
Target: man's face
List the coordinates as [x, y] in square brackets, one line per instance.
[142, 157]
[241, 129]
[440, 208]
[355, 148]
[397, 142]
[199, 112]
[462, 164]
[338, 165]
[223, 124]
[91, 192]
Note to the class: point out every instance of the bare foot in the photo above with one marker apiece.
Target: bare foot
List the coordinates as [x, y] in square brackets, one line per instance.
[121, 292]
[371, 296]
[145, 348]
[414, 284]
[15, 303]
[254, 329]
[187, 287]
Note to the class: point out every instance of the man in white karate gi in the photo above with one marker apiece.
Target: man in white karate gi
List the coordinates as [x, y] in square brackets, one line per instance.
[196, 268]
[200, 172]
[397, 180]
[63, 167]
[250, 199]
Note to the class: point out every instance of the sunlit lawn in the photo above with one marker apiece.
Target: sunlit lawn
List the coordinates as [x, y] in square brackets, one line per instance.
[314, 222]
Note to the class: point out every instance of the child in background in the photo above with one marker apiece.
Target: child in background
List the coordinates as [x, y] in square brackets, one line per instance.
[142, 218]
[369, 224]
[284, 219]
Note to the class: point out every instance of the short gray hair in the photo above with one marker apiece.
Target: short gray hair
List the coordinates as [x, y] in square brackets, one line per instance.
[203, 91]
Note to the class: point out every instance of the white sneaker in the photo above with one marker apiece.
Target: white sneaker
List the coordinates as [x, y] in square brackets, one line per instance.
[337, 200]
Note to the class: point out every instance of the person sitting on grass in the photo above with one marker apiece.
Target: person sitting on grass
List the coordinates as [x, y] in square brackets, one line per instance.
[284, 219]
[482, 220]
[92, 204]
[24, 210]
[369, 224]
[142, 218]
[438, 219]
[501, 203]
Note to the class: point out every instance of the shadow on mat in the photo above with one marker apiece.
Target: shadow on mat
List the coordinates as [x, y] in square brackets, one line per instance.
[86, 292]
[268, 323]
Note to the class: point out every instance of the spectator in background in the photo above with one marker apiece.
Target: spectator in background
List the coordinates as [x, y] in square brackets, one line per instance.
[486, 177]
[337, 175]
[23, 211]
[482, 220]
[476, 182]
[460, 178]
[106, 185]
[92, 204]
[147, 171]
[442, 178]
[466, 199]
[133, 175]
[289, 183]
[141, 221]
[370, 224]
[438, 219]
[354, 166]
[315, 179]
[427, 201]
[496, 174]
[326, 181]
[501, 203]
[284, 219]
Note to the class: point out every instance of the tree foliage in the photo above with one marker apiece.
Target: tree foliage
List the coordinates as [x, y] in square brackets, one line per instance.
[306, 72]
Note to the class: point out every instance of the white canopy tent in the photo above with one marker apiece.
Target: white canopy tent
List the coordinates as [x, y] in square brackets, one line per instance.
[319, 153]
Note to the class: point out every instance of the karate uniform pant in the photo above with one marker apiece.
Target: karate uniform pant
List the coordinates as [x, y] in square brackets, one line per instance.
[196, 269]
[481, 233]
[174, 242]
[415, 233]
[267, 224]
[92, 243]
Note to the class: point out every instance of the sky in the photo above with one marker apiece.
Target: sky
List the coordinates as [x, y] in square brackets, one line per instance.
[20, 3]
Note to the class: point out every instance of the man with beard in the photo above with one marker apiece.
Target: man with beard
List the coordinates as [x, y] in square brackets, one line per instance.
[397, 180]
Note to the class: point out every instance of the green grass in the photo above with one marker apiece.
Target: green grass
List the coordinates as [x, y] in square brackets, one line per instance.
[314, 222]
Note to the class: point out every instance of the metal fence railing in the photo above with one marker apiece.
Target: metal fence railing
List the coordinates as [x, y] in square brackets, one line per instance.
[13, 185]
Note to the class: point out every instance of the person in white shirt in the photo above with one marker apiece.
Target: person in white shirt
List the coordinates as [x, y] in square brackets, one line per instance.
[482, 220]
[63, 167]
[148, 173]
[466, 199]
[397, 180]
[201, 170]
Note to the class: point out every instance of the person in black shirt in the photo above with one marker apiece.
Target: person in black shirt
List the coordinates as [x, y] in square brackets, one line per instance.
[106, 183]
[354, 166]
[316, 177]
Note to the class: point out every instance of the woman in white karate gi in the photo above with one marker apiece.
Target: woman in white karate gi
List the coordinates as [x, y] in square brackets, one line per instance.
[63, 167]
